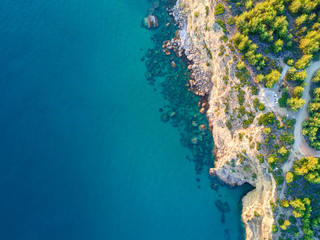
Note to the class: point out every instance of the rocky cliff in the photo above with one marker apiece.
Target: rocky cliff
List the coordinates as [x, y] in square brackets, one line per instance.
[213, 75]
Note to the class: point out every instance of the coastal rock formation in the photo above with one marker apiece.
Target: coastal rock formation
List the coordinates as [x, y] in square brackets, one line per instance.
[236, 160]
[151, 21]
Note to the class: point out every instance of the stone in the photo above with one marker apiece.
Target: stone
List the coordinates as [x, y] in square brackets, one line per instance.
[194, 140]
[202, 110]
[171, 113]
[202, 127]
[194, 123]
[173, 64]
[151, 21]
[148, 75]
[164, 117]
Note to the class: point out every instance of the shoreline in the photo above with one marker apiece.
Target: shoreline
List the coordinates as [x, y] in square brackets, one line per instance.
[256, 228]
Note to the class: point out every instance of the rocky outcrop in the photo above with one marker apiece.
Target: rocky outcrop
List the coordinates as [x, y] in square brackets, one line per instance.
[199, 40]
[151, 21]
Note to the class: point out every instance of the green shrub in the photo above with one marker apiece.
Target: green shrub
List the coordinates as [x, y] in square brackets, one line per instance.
[231, 21]
[222, 25]
[219, 9]
[207, 11]
[284, 98]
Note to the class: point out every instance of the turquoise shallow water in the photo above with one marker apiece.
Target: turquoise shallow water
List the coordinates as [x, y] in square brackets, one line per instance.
[84, 154]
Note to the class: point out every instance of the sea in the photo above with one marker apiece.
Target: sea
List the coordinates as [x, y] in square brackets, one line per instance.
[84, 154]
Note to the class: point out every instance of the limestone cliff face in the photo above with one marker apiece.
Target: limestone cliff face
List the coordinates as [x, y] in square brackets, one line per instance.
[236, 161]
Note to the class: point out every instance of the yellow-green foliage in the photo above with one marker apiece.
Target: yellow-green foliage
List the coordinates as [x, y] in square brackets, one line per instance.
[262, 18]
[219, 9]
[316, 77]
[285, 224]
[305, 6]
[299, 206]
[270, 79]
[295, 103]
[284, 203]
[312, 124]
[308, 167]
[303, 61]
[289, 177]
[267, 130]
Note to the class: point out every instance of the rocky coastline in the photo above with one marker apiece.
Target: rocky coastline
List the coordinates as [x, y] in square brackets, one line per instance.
[200, 48]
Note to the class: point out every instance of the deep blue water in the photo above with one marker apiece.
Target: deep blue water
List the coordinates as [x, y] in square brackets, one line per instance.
[83, 152]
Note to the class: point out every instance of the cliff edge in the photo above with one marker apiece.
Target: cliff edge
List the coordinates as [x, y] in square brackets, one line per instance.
[213, 74]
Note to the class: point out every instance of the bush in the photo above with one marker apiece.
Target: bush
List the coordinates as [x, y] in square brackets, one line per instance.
[207, 11]
[222, 25]
[261, 107]
[266, 119]
[284, 203]
[219, 9]
[267, 130]
[287, 138]
[240, 66]
[231, 21]
[274, 228]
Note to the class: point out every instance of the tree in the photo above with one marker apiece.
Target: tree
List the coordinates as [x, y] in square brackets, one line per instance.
[240, 66]
[285, 224]
[287, 138]
[249, 5]
[299, 207]
[316, 77]
[283, 151]
[308, 167]
[303, 61]
[267, 130]
[266, 119]
[295, 103]
[272, 78]
[310, 43]
[277, 47]
[297, 91]
[300, 76]
[289, 177]
[301, 19]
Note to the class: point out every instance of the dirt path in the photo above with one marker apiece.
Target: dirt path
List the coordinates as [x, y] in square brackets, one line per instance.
[300, 146]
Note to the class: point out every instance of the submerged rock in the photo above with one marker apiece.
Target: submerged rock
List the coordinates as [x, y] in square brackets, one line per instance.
[202, 127]
[222, 206]
[164, 117]
[194, 123]
[148, 75]
[171, 113]
[151, 21]
[194, 140]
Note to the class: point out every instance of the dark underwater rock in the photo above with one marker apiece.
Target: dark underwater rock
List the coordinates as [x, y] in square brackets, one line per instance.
[164, 117]
[222, 206]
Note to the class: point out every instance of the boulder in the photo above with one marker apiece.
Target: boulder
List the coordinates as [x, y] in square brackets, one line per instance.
[151, 21]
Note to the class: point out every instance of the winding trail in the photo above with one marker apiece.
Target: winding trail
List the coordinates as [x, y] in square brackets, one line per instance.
[300, 146]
